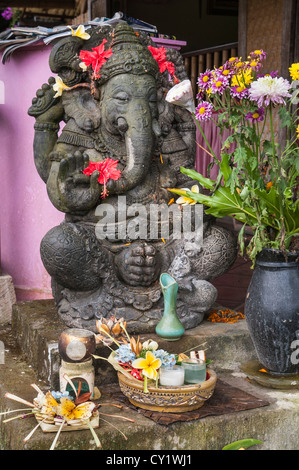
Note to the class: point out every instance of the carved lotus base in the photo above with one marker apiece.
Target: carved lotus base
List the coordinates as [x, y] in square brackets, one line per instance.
[168, 399]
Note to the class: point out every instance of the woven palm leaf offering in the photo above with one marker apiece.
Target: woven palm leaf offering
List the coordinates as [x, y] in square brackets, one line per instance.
[156, 380]
[61, 411]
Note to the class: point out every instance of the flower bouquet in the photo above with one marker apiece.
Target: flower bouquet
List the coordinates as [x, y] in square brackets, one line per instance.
[139, 366]
[258, 168]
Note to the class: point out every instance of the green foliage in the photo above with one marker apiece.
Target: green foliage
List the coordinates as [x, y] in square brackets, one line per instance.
[258, 176]
[242, 444]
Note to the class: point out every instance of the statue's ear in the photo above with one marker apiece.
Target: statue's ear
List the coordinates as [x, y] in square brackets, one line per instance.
[80, 105]
[64, 60]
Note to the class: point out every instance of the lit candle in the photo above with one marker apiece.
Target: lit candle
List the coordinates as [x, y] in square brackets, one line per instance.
[172, 376]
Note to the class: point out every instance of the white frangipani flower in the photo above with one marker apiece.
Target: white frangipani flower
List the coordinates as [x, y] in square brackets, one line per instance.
[185, 200]
[80, 32]
[59, 86]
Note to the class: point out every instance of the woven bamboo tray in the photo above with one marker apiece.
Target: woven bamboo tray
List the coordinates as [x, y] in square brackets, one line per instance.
[94, 421]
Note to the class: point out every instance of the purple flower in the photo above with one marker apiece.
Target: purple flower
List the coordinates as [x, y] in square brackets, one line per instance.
[219, 84]
[204, 111]
[204, 79]
[271, 74]
[256, 116]
[7, 13]
[258, 54]
[225, 71]
[239, 92]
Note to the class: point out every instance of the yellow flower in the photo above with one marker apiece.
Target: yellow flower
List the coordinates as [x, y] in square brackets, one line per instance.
[80, 32]
[48, 404]
[294, 71]
[297, 130]
[149, 365]
[185, 200]
[59, 86]
[244, 78]
[69, 411]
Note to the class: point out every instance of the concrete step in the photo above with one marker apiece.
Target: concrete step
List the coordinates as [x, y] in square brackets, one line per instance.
[229, 346]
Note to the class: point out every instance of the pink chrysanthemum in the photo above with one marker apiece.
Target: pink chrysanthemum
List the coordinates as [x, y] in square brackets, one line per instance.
[256, 116]
[219, 84]
[239, 92]
[204, 111]
[268, 90]
[225, 71]
[258, 54]
[204, 80]
[200, 95]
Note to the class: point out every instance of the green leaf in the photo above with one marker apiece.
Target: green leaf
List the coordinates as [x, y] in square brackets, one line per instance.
[268, 147]
[278, 207]
[225, 167]
[244, 443]
[240, 155]
[285, 117]
[241, 239]
[205, 182]
[223, 203]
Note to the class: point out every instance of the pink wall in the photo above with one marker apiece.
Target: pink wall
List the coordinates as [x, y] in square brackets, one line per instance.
[25, 210]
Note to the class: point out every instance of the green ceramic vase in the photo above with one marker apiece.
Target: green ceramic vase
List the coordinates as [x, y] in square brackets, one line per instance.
[169, 327]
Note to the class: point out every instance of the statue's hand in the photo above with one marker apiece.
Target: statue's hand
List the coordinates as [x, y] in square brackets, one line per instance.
[68, 188]
[138, 264]
[46, 108]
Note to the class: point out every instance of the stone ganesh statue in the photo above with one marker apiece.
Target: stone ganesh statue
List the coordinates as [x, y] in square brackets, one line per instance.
[115, 113]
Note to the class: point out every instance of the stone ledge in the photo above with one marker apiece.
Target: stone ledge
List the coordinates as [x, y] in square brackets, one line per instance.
[37, 330]
[209, 433]
[7, 298]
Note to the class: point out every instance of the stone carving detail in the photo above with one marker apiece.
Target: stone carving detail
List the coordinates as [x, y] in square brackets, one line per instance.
[122, 115]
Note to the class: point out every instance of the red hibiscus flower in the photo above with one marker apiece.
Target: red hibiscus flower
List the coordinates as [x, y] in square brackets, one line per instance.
[159, 54]
[96, 58]
[107, 170]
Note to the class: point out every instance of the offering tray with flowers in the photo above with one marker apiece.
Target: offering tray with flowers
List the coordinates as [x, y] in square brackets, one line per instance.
[153, 379]
[57, 412]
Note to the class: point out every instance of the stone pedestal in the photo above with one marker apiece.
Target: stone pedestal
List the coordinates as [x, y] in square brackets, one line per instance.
[7, 298]
[37, 328]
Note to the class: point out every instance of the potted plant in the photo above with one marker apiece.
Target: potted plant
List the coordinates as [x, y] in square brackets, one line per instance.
[257, 185]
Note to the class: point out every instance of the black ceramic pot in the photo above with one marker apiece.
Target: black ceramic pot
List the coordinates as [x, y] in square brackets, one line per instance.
[272, 311]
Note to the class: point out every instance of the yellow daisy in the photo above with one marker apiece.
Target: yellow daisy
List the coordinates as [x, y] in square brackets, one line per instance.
[244, 78]
[294, 71]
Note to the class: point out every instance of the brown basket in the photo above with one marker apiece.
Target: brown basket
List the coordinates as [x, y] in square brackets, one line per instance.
[168, 399]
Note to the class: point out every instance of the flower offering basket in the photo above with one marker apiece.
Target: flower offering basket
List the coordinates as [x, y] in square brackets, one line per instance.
[138, 366]
[168, 399]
